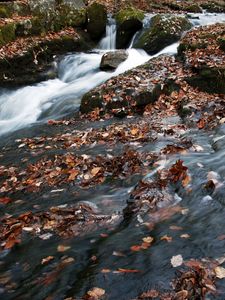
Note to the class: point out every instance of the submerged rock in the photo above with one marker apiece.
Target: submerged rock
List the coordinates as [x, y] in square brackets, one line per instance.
[164, 30]
[128, 21]
[96, 20]
[111, 60]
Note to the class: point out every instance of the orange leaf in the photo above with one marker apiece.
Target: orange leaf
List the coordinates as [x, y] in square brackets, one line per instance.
[5, 200]
[128, 270]
[135, 248]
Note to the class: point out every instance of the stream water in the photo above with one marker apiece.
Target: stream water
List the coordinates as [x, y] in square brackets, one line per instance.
[203, 219]
[78, 73]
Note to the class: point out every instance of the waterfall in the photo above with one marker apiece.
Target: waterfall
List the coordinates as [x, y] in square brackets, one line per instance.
[77, 74]
[109, 41]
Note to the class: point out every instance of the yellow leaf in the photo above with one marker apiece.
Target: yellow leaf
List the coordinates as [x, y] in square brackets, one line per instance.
[95, 171]
[220, 272]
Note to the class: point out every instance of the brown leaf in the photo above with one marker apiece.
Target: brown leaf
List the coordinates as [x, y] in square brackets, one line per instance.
[5, 200]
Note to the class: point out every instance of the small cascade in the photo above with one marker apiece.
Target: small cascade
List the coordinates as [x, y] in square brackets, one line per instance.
[78, 73]
[109, 41]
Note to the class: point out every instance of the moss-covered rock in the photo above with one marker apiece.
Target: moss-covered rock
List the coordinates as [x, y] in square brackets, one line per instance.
[164, 30]
[67, 16]
[96, 20]
[7, 9]
[7, 33]
[214, 6]
[194, 8]
[128, 22]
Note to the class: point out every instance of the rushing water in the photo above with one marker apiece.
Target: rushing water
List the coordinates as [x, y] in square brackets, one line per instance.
[78, 73]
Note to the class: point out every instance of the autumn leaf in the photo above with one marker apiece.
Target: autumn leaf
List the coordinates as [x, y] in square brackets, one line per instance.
[176, 261]
[120, 270]
[201, 123]
[135, 248]
[95, 171]
[73, 174]
[96, 293]
[220, 272]
[5, 200]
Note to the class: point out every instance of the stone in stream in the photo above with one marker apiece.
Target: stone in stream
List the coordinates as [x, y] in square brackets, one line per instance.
[164, 30]
[129, 21]
[111, 60]
[133, 89]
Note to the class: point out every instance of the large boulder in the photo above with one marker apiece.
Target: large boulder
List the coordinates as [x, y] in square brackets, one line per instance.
[9, 8]
[202, 50]
[111, 60]
[57, 14]
[129, 21]
[96, 20]
[134, 89]
[164, 30]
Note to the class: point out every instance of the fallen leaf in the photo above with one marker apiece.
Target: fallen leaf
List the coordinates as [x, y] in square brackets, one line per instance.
[185, 236]
[176, 260]
[135, 248]
[148, 239]
[176, 228]
[220, 272]
[47, 259]
[120, 270]
[96, 293]
[95, 171]
[5, 200]
[166, 238]
[62, 248]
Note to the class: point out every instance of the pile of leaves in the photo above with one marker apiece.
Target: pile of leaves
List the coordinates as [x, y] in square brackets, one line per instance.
[69, 168]
[66, 221]
[151, 194]
[202, 47]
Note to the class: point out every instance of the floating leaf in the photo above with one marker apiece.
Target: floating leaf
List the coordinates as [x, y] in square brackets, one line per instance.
[176, 261]
[220, 272]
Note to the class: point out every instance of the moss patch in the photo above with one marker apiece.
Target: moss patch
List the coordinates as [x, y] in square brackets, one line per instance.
[128, 14]
[164, 30]
[7, 33]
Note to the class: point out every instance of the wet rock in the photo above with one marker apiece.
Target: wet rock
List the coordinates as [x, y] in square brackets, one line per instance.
[111, 60]
[194, 8]
[96, 20]
[36, 56]
[214, 6]
[164, 30]
[202, 51]
[219, 143]
[129, 21]
[133, 89]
